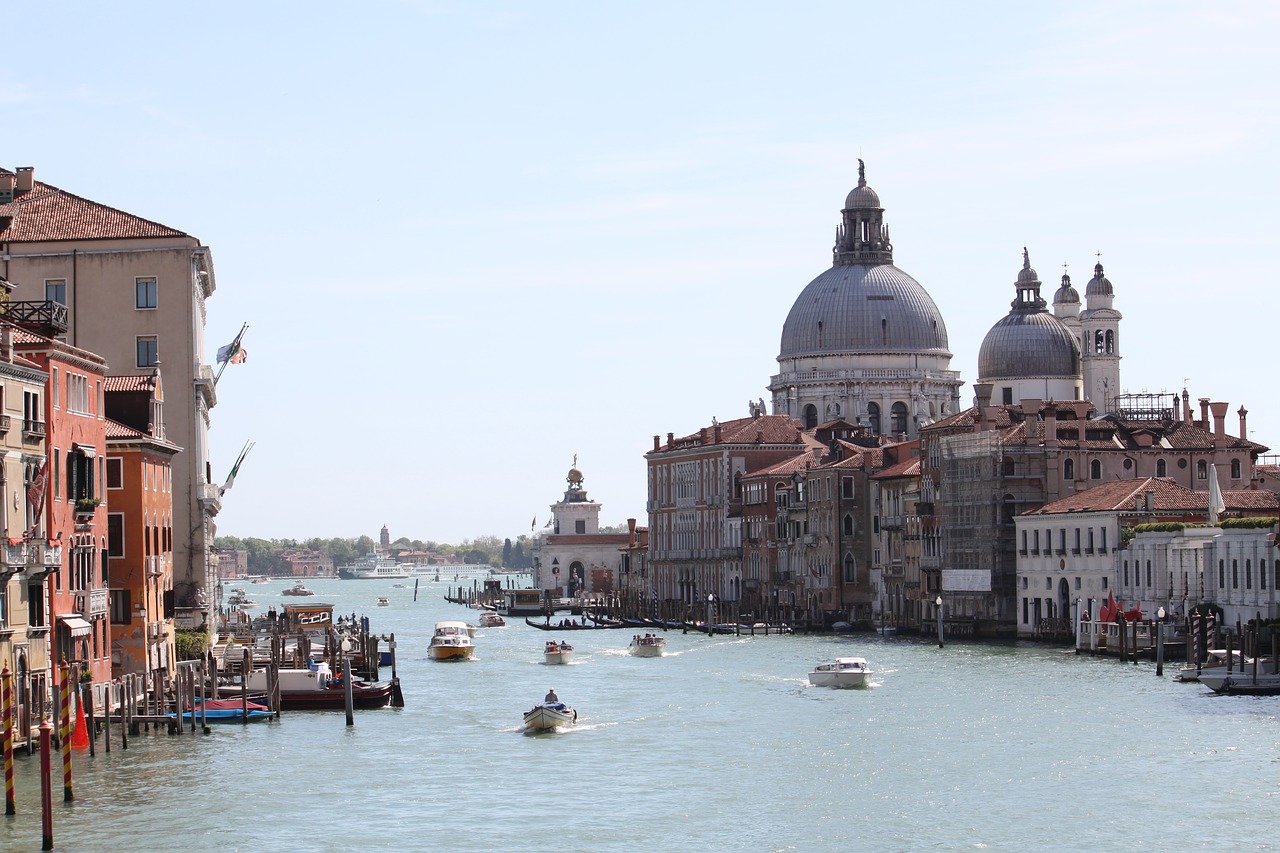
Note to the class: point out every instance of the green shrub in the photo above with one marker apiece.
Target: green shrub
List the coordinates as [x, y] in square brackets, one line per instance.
[190, 643]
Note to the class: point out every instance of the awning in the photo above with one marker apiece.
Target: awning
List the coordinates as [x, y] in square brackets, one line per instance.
[86, 449]
[78, 626]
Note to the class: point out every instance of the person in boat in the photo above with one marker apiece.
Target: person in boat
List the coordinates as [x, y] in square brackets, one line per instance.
[551, 697]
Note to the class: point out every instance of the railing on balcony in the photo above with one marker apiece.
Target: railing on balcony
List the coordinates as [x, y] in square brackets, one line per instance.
[52, 554]
[157, 631]
[47, 317]
[32, 430]
[891, 522]
[92, 603]
[5, 421]
[15, 556]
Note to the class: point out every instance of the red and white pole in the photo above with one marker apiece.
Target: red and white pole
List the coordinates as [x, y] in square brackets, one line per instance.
[6, 723]
[46, 784]
[64, 739]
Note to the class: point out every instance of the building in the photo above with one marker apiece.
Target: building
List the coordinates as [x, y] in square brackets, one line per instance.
[1097, 333]
[896, 527]
[74, 427]
[864, 341]
[299, 563]
[139, 484]
[133, 291]
[29, 556]
[575, 558]
[232, 563]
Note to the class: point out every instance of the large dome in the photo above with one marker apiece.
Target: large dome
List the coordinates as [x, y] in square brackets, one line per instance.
[863, 308]
[1028, 345]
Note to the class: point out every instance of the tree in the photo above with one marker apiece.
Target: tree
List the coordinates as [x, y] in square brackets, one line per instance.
[364, 545]
[342, 552]
[506, 553]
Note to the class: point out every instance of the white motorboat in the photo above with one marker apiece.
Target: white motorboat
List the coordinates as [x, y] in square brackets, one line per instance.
[1245, 683]
[491, 619]
[648, 646]
[557, 652]
[374, 566]
[1215, 662]
[546, 716]
[841, 672]
[299, 588]
[241, 600]
[451, 641]
[383, 601]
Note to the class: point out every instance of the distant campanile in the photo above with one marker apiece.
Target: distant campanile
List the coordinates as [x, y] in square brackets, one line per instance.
[864, 342]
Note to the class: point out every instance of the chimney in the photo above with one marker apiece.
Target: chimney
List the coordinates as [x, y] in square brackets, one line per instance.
[656, 445]
[1051, 426]
[1219, 423]
[1244, 423]
[1204, 413]
[671, 439]
[1186, 406]
[1030, 414]
[1081, 408]
[717, 433]
[702, 435]
[1151, 500]
[6, 183]
[631, 529]
[25, 178]
[981, 398]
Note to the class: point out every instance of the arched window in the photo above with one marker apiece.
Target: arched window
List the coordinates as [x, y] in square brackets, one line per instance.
[1202, 470]
[1099, 342]
[1162, 468]
[1009, 467]
[1069, 469]
[810, 416]
[1095, 470]
[1235, 469]
[1111, 342]
[847, 527]
[1009, 509]
[850, 569]
[899, 418]
[873, 417]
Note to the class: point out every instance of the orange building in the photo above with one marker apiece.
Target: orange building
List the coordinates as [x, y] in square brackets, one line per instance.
[139, 481]
[75, 441]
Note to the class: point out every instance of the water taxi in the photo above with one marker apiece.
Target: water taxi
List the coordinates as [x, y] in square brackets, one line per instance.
[648, 646]
[451, 642]
[555, 652]
[841, 672]
[490, 619]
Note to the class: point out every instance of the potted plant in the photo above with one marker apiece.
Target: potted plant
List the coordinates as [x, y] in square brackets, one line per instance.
[87, 505]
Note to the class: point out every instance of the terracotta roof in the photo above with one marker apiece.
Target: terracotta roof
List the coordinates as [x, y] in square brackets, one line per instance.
[48, 213]
[799, 462]
[1167, 496]
[906, 468]
[766, 429]
[118, 430]
[145, 382]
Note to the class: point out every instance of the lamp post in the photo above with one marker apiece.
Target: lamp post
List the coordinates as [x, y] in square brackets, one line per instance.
[346, 648]
[938, 603]
[710, 602]
[1160, 642]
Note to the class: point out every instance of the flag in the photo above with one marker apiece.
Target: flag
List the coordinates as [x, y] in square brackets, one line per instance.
[35, 492]
[233, 353]
[533, 523]
[235, 469]
[1217, 505]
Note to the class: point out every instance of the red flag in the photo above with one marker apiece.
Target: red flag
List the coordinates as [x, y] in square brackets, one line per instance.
[35, 493]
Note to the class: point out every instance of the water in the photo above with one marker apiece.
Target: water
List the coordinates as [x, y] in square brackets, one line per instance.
[720, 745]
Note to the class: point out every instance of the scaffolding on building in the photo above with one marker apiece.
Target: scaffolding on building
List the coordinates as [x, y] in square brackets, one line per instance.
[969, 504]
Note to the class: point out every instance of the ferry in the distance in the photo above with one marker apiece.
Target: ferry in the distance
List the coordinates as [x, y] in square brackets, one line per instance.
[374, 567]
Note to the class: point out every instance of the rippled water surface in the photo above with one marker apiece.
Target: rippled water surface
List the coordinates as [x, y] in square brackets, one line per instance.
[719, 745]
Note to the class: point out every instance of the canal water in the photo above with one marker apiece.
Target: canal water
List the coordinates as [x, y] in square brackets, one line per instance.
[720, 745]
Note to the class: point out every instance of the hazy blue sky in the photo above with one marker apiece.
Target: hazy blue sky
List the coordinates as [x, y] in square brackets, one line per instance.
[473, 240]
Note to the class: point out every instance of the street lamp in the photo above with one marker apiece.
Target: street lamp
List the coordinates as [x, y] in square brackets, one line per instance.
[1160, 642]
[710, 602]
[938, 603]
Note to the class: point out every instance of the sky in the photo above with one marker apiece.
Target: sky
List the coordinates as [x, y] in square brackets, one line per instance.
[473, 241]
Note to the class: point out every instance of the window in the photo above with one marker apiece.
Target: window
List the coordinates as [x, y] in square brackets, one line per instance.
[580, 526]
[1202, 470]
[115, 473]
[850, 569]
[1235, 574]
[899, 417]
[77, 393]
[120, 614]
[35, 605]
[1235, 469]
[1069, 469]
[810, 416]
[144, 292]
[1222, 574]
[79, 476]
[873, 417]
[846, 488]
[148, 351]
[1162, 468]
[848, 525]
[1248, 574]
[1095, 470]
[1006, 396]
[55, 290]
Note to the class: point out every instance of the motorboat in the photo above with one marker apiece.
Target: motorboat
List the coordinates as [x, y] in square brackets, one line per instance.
[227, 711]
[547, 716]
[397, 586]
[1215, 662]
[383, 601]
[451, 641]
[374, 566]
[317, 687]
[239, 599]
[491, 619]
[1245, 683]
[555, 652]
[299, 588]
[841, 672]
[648, 646]
[260, 580]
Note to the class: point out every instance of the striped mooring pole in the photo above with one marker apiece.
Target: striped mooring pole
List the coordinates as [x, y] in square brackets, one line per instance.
[64, 728]
[6, 723]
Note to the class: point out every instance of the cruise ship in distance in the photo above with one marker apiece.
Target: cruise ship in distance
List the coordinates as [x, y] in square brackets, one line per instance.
[374, 566]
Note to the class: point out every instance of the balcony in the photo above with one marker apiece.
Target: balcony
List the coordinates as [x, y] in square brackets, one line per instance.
[157, 631]
[5, 420]
[92, 603]
[891, 522]
[782, 577]
[46, 317]
[15, 556]
[51, 555]
[32, 430]
[810, 539]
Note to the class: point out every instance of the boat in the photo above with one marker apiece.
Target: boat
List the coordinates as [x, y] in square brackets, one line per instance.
[299, 588]
[648, 646]
[317, 687]
[841, 672]
[1242, 683]
[383, 601]
[548, 716]
[490, 619]
[227, 711]
[1215, 662]
[397, 586]
[241, 600]
[374, 566]
[260, 580]
[451, 642]
[555, 652]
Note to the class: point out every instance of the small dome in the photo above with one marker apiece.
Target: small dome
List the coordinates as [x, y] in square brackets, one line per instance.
[862, 197]
[1066, 294]
[1098, 285]
[1028, 345]
[1027, 275]
[575, 476]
